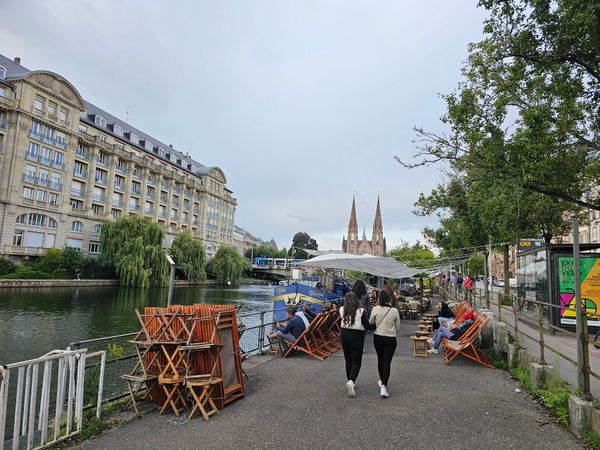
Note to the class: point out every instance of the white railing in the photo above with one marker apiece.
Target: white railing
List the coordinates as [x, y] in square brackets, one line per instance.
[54, 423]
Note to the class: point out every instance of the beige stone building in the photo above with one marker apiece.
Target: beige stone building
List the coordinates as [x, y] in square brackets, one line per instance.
[67, 166]
[589, 232]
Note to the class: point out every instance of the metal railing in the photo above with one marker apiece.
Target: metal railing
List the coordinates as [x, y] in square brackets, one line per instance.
[34, 394]
[530, 319]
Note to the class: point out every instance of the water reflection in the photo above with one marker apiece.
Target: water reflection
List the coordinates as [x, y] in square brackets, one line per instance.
[36, 320]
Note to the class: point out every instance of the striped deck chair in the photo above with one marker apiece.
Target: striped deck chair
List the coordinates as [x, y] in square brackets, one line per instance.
[466, 344]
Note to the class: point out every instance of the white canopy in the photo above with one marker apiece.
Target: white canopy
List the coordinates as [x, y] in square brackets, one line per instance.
[375, 265]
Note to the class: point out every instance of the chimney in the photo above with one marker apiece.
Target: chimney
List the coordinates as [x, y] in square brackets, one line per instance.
[17, 60]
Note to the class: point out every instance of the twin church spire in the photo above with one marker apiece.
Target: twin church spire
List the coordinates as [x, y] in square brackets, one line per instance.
[351, 243]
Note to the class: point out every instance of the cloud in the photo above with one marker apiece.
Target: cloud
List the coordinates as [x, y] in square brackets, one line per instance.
[302, 104]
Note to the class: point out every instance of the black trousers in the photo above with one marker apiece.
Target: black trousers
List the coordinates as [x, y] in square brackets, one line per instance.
[353, 342]
[385, 347]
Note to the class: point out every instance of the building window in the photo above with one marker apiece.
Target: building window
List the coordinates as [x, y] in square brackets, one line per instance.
[41, 196]
[77, 226]
[117, 130]
[100, 121]
[18, 238]
[58, 158]
[27, 193]
[76, 205]
[33, 149]
[82, 129]
[134, 138]
[97, 229]
[64, 115]
[94, 247]
[39, 104]
[52, 223]
[74, 243]
[2, 71]
[53, 198]
[37, 220]
[35, 127]
[52, 108]
[97, 209]
[595, 234]
[102, 137]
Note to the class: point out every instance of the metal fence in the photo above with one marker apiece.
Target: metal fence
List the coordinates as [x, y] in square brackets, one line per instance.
[43, 398]
[121, 357]
[529, 320]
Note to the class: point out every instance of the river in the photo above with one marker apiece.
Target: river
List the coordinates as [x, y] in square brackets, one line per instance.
[34, 321]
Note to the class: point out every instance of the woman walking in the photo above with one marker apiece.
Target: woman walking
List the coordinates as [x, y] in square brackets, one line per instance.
[353, 327]
[387, 321]
[360, 289]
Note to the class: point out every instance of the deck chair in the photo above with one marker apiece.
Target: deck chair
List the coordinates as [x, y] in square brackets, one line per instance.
[466, 345]
[307, 342]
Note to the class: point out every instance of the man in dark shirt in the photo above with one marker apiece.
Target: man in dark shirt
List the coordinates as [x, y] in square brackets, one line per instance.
[292, 329]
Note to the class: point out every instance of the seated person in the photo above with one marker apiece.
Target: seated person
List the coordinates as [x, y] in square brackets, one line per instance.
[445, 315]
[452, 332]
[292, 329]
[308, 313]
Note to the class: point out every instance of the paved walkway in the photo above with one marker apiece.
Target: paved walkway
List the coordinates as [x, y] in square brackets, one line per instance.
[299, 403]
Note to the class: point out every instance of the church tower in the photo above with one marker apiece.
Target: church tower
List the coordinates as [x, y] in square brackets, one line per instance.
[378, 241]
[352, 243]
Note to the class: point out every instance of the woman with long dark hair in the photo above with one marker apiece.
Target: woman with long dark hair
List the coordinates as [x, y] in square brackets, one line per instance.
[445, 315]
[360, 290]
[387, 320]
[353, 326]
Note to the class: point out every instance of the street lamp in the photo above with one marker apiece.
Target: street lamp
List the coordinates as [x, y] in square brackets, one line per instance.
[171, 278]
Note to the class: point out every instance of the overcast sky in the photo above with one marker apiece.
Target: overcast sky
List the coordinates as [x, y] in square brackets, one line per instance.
[303, 104]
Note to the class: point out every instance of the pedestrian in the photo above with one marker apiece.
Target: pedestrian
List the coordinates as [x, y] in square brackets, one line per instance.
[360, 290]
[353, 327]
[387, 321]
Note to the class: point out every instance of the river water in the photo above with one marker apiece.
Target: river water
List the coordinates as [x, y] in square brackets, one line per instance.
[34, 321]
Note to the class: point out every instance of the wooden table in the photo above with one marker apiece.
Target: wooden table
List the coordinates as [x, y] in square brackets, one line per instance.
[420, 346]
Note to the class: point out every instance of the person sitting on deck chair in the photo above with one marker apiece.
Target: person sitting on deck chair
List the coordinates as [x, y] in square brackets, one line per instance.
[292, 330]
[445, 315]
[452, 333]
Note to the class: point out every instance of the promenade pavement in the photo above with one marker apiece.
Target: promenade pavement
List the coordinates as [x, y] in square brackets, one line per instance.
[300, 403]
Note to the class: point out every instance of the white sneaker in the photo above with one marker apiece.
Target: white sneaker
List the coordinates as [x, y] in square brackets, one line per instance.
[350, 388]
[433, 350]
[384, 392]
[379, 384]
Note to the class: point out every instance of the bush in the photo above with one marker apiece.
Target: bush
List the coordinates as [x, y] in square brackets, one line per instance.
[28, 273]
[6, 266]
[98, 269]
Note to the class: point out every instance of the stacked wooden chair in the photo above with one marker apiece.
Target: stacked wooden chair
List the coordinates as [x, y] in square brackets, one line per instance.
[179, 357]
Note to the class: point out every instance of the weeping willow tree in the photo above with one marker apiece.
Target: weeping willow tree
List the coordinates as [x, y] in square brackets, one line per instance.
[134, 246]
[227, 266]
[189, 256]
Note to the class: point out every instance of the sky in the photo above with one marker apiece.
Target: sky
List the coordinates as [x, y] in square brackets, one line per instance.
[303, 104]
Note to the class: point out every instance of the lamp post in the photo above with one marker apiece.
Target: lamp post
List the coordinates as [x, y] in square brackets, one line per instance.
[171, 279]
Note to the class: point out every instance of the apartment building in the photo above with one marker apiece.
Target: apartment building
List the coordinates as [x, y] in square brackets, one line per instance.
[67, 166]
[589, 232]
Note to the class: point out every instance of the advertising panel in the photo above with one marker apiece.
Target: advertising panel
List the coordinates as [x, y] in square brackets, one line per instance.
[590, 288]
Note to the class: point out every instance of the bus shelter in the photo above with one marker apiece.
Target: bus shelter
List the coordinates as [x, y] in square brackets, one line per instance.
[545, 273]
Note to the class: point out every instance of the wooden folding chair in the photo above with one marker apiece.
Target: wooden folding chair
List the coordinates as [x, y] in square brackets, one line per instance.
[173, 389]
[305, 342]
[203, 398]
[466, 345]
[135, 384]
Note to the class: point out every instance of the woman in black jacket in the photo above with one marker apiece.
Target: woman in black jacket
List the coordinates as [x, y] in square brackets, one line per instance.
[360, 290]
[445, 314]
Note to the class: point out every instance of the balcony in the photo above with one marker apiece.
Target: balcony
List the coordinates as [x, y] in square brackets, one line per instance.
[118, 186]
[136, 191]
[162, 214]
[175, 203]
[42, 182]
[137, 175]
[148, 210]
[102, 161]
[177, 189]
[102, 181]
[196, 210]
[99, 197]
[81, 153]
[134, 207]
[163, 199]
[152, 180]
[19, 250]
[187, 194]
[45, 161]
[150, 195]
[116, 202]
[174, 217]
[80, 174]
[122, 170]
[77, 193]
[35, 134]
[61, 143]
[164, 185]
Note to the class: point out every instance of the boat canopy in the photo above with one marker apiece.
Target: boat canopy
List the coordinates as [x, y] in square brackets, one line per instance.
[374, 265]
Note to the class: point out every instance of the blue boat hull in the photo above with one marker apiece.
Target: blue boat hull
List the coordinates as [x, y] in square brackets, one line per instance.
[296, 295]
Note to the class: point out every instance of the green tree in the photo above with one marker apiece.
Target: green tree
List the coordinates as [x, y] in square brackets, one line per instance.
[51, 263]
[189, 256]
[475, 264]
[355, 275]
[6, 266]
[418, 254]
[227, 266]
[526, 112]
[265, 251]
[134, 246]
[72, 260]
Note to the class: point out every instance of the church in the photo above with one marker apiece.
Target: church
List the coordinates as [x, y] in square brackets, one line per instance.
[351, 243]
